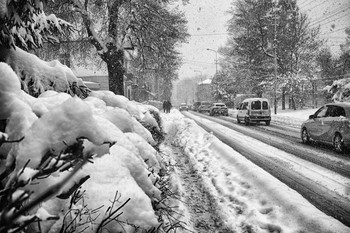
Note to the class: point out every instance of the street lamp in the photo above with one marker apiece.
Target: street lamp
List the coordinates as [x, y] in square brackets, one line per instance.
[216, 60]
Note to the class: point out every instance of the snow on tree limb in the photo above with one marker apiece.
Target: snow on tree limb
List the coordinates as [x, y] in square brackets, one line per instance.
[25, 25]
[36, 75]
[340, 90]
[99, 45]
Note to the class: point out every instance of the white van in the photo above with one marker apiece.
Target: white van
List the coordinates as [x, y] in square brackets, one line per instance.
[254, 110]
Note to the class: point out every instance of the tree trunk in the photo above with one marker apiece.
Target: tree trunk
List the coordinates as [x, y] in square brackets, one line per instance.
[116, 78]
[114, 58]
[283, 98]
[293, 103]
[289, 103]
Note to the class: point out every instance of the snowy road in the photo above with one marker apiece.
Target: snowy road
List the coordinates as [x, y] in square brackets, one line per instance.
[288, 139]
[325, 188]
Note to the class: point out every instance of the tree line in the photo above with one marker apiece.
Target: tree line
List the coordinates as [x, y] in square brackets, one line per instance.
[104, 31]
[273, 49]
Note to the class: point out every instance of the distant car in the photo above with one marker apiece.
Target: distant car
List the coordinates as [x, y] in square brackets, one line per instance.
[330, 124]
[218, 109]
[254, 110]
[204, 107]
[196, 106]
[183, 107]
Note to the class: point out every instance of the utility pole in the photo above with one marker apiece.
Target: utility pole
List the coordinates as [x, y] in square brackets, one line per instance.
[275, 59]
[216, 60]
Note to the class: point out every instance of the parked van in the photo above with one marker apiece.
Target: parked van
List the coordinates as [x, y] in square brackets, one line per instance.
[254, 110]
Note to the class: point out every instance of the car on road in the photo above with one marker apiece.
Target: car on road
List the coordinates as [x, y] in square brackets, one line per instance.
[218, 109]
[195, 106]
[254, 110]
[330, 124]
[183, 107]
[204, 107]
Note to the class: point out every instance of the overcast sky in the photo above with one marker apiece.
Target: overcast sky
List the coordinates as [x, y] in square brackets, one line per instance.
[207, 21]
[207, 26]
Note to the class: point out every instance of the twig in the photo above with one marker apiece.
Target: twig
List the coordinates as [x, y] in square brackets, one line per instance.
[109, 218]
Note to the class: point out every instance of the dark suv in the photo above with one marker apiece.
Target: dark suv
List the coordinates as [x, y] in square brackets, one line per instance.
[218, 109]
[196, 106]
[204, 107]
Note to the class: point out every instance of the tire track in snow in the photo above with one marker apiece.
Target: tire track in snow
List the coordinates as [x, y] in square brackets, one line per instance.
[204, 212]
[289, 146]
[326, 200]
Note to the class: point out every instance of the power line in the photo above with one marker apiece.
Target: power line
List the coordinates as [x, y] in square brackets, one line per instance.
[318, 4]
[331, 20]
[305, 3]
[330, 14]
[336, 9]
[336, 37]
[211, 34]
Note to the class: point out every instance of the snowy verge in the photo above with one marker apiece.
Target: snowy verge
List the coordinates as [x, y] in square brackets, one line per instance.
[88, 164]
[250, 199]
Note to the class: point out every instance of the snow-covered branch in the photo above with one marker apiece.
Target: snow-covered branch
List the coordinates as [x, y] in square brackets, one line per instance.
[78, 7]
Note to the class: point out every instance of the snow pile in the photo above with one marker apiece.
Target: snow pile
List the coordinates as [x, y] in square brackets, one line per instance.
[340, 89]
[36, 75]
[124, 164]
[248, 198]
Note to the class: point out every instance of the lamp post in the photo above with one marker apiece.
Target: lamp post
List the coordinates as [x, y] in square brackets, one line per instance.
[216, 60]
[275, 58]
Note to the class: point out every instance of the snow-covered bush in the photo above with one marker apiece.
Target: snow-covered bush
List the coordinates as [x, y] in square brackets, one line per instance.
[37, 76]
[340, 89]
[24, 24]
[69, 164]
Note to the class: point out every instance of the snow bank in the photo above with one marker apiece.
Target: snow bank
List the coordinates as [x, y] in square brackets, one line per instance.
[109, 177]
[36, 75]
[114, 138]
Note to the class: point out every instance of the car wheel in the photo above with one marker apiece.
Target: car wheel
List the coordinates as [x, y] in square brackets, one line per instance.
[246, 121]
[267, 123]
[305, 137]
[238, 120]
[338, 143]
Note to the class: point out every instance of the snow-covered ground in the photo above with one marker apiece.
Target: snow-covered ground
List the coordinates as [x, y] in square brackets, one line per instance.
[248, 198]
[102, 143]
[216, 183]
